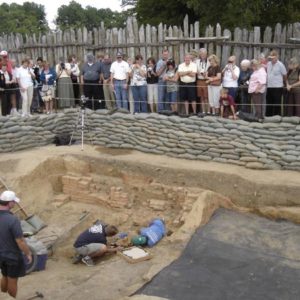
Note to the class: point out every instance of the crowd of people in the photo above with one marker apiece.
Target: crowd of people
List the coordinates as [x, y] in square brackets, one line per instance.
[198, 86]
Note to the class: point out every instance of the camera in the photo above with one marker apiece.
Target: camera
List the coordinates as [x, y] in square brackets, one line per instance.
[150, 69]
[83, 101]
[62, 65]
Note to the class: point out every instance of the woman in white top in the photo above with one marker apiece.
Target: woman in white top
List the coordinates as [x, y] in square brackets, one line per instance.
[139, 85]
[75, 72]
[25, 77]
[231, 74]
[65, 91]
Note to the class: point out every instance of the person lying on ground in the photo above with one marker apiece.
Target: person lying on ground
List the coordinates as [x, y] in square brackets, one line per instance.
[92, 243]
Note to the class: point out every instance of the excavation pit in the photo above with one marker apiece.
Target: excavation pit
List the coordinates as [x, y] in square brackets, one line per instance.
[69, 189]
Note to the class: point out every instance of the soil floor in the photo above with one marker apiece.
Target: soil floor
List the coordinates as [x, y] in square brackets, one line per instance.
[34, 175]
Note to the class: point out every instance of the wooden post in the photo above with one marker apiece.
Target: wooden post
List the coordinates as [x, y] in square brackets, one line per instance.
[256, 50]
[226, 52]
[142, 41]
[186, 32]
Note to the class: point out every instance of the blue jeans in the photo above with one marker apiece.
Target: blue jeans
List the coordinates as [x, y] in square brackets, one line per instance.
[172, 97]
[121, 94]
[139, 94]
[232, 91]
[162, 90]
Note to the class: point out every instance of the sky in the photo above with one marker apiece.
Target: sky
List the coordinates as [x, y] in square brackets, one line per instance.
[52, 6]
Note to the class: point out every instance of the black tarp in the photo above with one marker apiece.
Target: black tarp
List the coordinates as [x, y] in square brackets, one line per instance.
[234, 256]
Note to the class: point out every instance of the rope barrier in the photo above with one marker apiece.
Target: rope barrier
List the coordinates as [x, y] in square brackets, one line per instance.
[62, 100]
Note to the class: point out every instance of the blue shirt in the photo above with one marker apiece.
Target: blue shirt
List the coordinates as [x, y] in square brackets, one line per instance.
[10, 230]
[51, 80]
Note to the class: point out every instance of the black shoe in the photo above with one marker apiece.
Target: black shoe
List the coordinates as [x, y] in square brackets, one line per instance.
[76, 259]
[201, 115]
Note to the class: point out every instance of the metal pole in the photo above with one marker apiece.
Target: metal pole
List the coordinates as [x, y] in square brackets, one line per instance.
[82, 128]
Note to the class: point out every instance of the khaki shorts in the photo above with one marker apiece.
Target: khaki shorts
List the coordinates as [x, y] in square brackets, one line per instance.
[202, 91]
[89, 249]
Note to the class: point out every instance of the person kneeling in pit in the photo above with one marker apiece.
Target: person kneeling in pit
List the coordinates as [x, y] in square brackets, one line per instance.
[227, 105]
[92, 243]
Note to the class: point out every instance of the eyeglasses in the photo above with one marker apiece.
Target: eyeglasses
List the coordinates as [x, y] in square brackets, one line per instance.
[230, 62]
[119, 57]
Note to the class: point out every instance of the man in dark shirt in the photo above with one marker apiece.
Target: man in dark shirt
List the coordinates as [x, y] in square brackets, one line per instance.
[90, 77]
[93, 243]
[12, 245]
[106, 80]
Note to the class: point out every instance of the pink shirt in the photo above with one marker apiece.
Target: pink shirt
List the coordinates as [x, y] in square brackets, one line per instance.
[258, 78]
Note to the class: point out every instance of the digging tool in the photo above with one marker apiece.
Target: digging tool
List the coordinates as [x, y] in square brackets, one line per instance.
[37, 295]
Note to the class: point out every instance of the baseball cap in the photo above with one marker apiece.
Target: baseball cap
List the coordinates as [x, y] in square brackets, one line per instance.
[119, 54]
[3, 53]
[9, 196]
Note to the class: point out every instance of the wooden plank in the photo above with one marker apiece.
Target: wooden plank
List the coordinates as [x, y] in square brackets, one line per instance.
[197, 34]
[155, 52]
[130, 37]
[191, 45]
[245, 36]
[296, 36]
[176, 48]
[282, 41]
[237, 49]
[170, 33]
[181, 47]
[251, 43]
[160, 36]
[226, 51]
[148, 40]
[142, 40]
[186, 33]
[256, 50]
[218, 47]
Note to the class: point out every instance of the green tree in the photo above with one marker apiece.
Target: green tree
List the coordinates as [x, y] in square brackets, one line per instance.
[245, 13]
[168, 12]
[229, 13]
[25, 19]
[75, 16]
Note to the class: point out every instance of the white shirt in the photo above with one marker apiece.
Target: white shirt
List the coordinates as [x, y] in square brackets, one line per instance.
[24, 76]
[202, 67]
[275, 74]
[191, 67]
[119, 70]
[228, 81]
[137, 78]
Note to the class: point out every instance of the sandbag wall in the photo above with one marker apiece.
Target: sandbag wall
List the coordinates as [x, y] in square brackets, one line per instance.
[19, 133]
[274, 144]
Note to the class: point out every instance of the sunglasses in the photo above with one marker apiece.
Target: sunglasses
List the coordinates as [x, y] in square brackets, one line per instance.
[230, 62]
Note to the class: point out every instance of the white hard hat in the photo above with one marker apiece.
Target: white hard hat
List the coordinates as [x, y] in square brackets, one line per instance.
[3, 53]
[8, 196]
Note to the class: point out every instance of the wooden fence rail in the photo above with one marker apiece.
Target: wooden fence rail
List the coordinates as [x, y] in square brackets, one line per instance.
[150, 41]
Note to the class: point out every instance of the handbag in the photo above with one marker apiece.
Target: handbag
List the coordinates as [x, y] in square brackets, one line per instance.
[45, 88]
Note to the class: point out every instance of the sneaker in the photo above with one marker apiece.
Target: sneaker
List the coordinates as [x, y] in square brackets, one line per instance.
[77, 259]
[88, 261]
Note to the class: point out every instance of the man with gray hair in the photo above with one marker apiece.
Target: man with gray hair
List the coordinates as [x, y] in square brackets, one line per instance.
[90, 78]
[277, 75]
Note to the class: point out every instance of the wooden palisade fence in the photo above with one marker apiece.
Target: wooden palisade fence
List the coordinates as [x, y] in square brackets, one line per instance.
[150, 41]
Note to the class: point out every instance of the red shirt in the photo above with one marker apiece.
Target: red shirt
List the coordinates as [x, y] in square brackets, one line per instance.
[227, 101]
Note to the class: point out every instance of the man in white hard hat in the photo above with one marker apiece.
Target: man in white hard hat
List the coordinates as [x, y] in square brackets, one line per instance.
[12, 245]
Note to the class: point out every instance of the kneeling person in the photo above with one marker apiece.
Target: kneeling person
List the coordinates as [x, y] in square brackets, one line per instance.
[93, 243]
